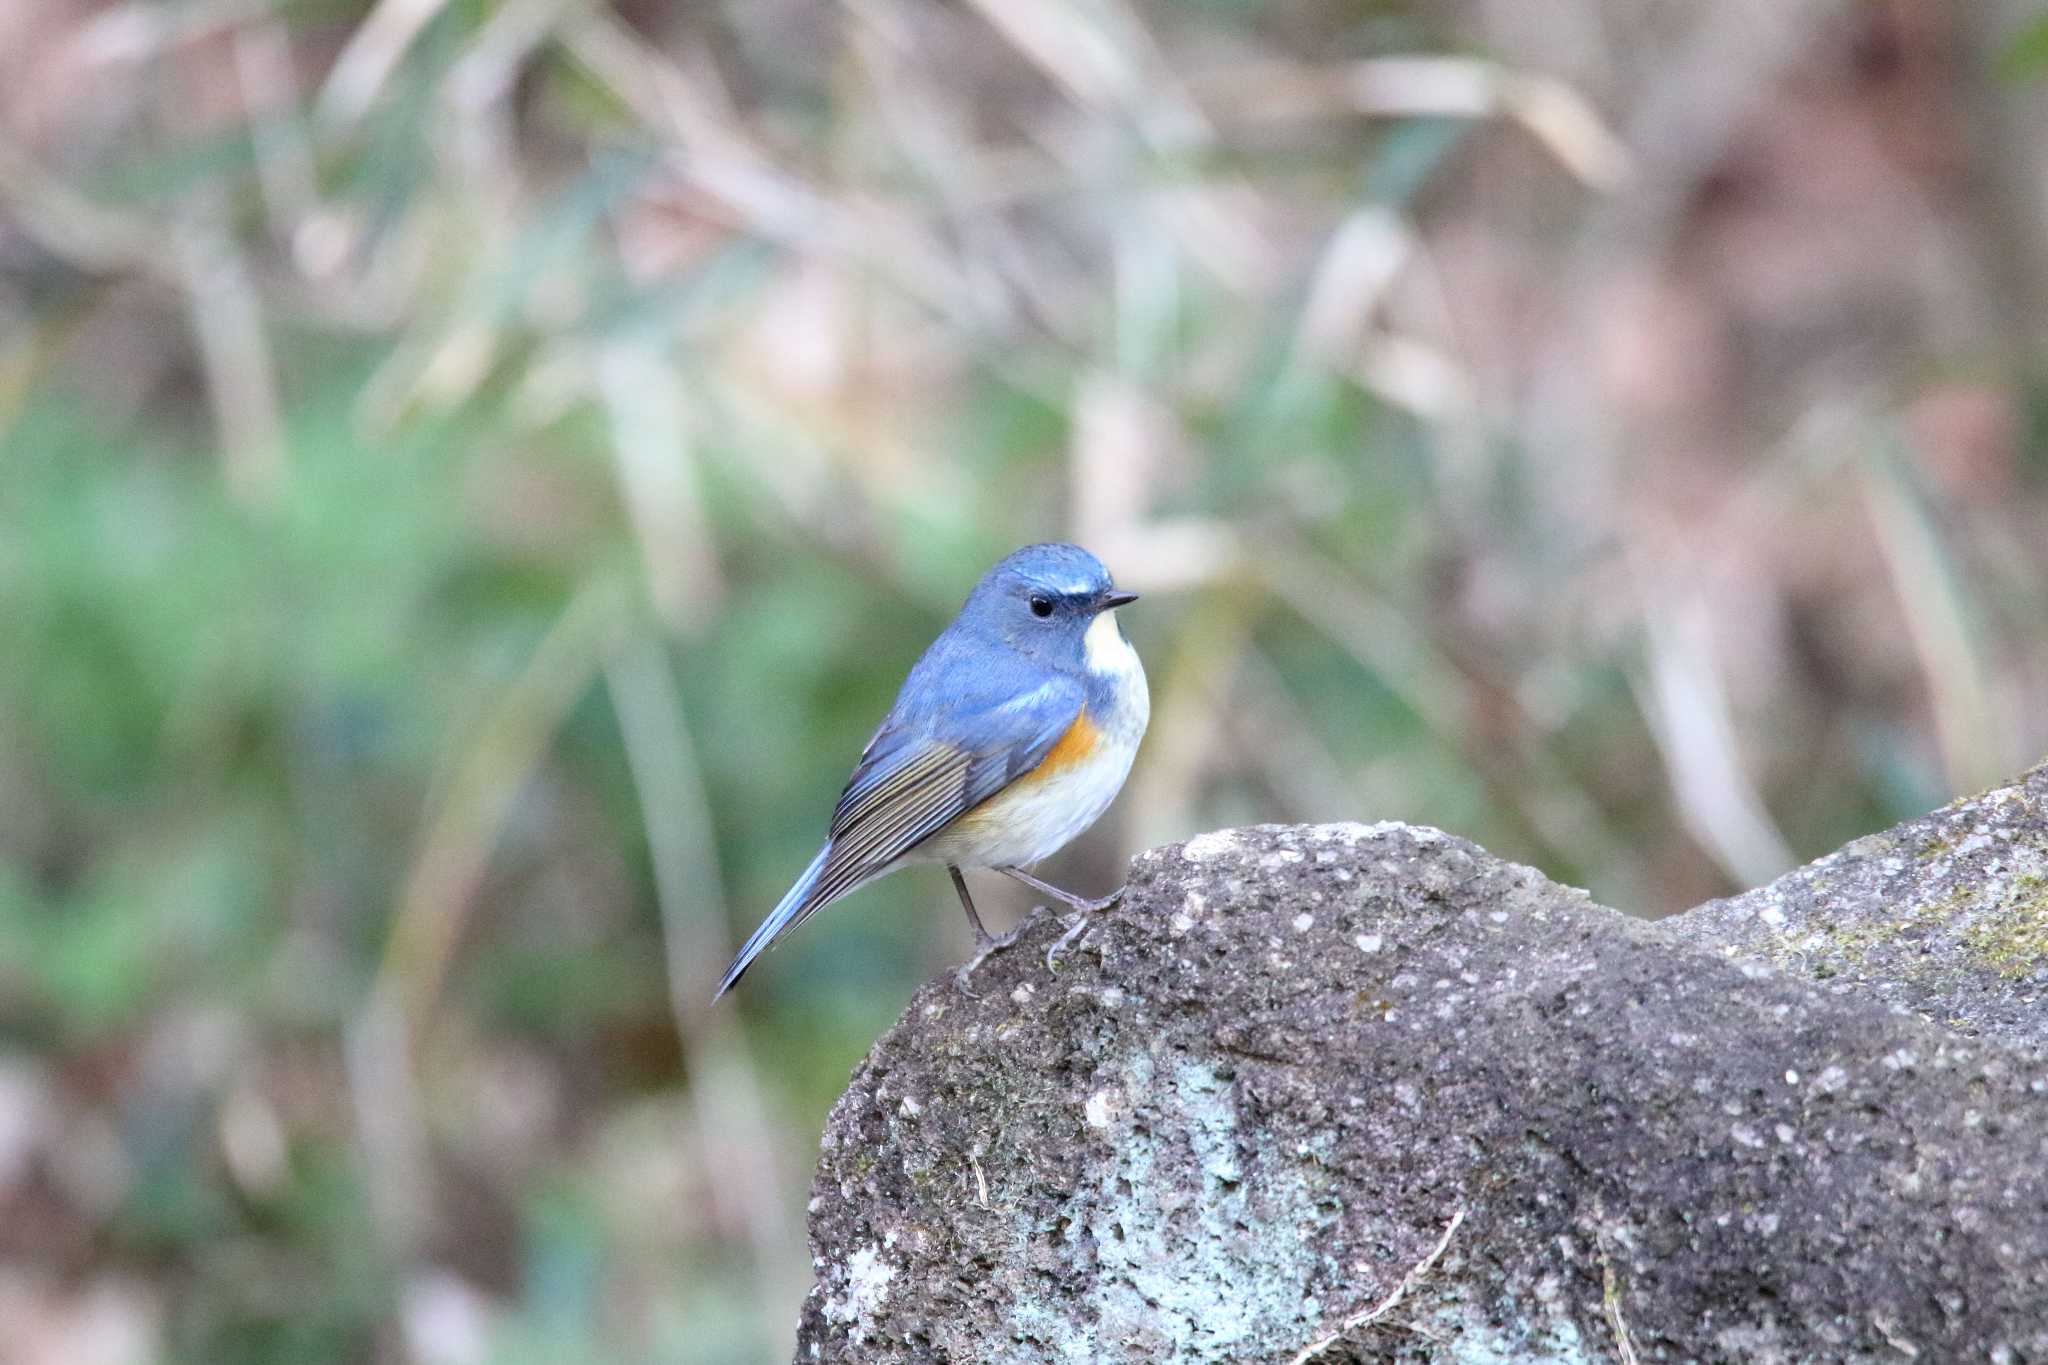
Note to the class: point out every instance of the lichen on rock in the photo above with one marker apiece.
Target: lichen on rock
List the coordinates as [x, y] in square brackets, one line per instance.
[1946, 915]
[1254, 1096]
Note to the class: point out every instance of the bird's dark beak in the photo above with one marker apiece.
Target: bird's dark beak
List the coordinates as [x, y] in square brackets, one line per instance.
[1116, 599]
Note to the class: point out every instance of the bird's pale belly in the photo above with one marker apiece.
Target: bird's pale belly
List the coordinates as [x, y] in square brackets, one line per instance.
[1035, 817]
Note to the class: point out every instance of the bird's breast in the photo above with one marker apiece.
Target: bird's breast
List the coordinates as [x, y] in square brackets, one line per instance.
[1045, 809]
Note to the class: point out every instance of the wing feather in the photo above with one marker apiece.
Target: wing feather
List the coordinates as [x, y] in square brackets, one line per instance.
[910, 785]
[923, 768]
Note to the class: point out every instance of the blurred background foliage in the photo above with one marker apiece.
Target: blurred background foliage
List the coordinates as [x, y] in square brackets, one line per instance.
[473, 471]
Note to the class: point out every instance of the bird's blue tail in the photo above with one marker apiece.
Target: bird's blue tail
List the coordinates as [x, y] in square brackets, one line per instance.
[792, 908]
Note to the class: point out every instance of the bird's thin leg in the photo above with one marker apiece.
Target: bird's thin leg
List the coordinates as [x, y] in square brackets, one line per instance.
[1066, 898]
[1077, 927]
[981, 934]
[985, 943]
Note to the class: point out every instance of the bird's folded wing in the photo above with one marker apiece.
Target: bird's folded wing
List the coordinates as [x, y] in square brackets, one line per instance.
[912, 782]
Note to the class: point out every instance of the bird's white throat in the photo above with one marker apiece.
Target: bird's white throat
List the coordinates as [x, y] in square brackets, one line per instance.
[1107, 652]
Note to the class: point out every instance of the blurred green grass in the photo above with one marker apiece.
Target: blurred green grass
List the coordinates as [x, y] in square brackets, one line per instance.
[458, 525]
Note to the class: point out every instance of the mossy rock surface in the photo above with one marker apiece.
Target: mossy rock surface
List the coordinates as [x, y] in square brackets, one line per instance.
[1253, 1099]
[1945, 916]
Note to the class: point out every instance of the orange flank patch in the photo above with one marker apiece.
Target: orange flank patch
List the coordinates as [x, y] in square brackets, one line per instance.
[1074, 747]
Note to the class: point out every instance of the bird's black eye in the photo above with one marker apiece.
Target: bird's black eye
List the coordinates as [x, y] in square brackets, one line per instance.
[1041, 605]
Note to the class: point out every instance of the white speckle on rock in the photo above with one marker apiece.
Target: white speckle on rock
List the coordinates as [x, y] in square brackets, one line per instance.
[1772, 916]
[1215, 844]
[867, 1284]
[1303, 923]
[1368, 943]
[1100, 1106]
[910, 1108]
[1791, 1078]
[1832, 1079]
[1349, 831]
[1180, 923]
[1902, 1060]
[1022, 995]
[1498, 916]
[1785, 1133]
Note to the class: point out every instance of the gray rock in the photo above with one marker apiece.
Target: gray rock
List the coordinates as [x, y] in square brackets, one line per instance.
[1256, 1098]
[1946, 916]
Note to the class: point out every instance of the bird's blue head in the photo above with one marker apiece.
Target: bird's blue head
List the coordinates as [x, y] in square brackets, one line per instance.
[1042, 600]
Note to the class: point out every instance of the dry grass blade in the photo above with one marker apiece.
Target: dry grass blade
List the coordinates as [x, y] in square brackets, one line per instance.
[487, 71]
[1686, 701]
[373, 52]
[737, 1141]
[1102, 55]
[495, 762]
[1364, 257]
[1939, 617]
[125, 35]
[651, 437]
[227, 318]
[1556, 114]
[284, 157]
[72, 227]
[718, 159]
[380, 1041]
[1388, 1304]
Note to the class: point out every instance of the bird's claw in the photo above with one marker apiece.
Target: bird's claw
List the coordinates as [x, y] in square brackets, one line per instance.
[1077, 924]
[1077, 930]
[984, 949]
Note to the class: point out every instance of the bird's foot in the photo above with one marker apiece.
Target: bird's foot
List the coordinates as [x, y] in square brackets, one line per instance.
[985, 947]
[1100, 903]
[1078, 926]
[1077, 930]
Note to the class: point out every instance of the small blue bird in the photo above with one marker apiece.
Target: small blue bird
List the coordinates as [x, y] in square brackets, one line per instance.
[1011, 735]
